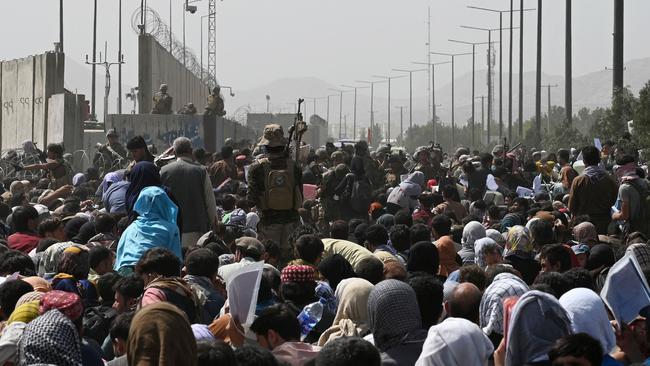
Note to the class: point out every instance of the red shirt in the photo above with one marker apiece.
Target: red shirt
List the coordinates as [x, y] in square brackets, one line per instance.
[23, 242]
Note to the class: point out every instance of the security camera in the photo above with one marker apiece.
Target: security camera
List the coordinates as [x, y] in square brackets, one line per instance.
[190, 8]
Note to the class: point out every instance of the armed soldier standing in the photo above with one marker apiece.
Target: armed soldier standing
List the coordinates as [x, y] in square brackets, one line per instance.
[275, 186]
[162, 102]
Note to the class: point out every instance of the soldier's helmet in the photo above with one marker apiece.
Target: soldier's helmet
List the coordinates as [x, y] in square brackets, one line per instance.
[163, 88]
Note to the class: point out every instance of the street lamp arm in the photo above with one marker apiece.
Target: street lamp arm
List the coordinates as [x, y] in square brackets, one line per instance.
[418, 70]
[498, 11]
[469, 43]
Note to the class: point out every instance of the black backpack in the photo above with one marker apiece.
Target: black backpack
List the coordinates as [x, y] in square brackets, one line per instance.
[97, 322]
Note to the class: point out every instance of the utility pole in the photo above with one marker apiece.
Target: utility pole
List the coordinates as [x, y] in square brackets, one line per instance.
[212, 43]
[430, 75]
[401, 122]
[482, 98]
[433, 93]
[119, 57]
[619, 28]
[410, 72]
[453, 92]
[473, 44]
[548, 114]
[568, 72]
[328, 112]
[388, 79]
[94, 71]
[538, 76]
[521, 71]
[107, 65]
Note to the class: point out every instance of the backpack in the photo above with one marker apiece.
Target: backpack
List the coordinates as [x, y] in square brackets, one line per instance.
[97, 322]
[360, 195]
[280, 191]
[641, 223]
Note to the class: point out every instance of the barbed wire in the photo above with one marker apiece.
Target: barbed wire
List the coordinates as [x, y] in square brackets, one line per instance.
[159, 30]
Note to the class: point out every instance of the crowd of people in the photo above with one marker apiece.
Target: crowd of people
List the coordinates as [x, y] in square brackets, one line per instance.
[368, 257]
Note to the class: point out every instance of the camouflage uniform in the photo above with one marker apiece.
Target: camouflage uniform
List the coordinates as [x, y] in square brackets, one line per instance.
[162, 102]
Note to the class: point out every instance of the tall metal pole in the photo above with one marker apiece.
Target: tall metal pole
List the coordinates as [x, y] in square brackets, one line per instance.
[202, 49]
[119, 58]
[354, 118]
[482, 98]
[389, 110]
[500, 76]
[538, 75]
[433, 102]
[568, 72]
[490, 96]
[431, 91]
[410, 110]
[521, 70]
[510, 78]
[61, 25]
[473, 86]
[453, 108]
[341, 116]
[93, 93]
[619, 22]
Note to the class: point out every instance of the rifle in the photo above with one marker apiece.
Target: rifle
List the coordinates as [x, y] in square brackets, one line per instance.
[296, 131]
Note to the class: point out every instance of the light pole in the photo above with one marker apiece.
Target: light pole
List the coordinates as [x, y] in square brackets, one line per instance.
[490, 62]
[538, 73]
[340, 111]
[482, 98]
[453, 105]
[388, 78]
[501, 65]
[328, 111]
[473, 44]
[372, 101]
[548, 114]
[433, 93]
[354, 120]
[410, 72]
[401, 122]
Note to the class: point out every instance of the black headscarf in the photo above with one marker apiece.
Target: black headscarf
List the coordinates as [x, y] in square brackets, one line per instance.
[600, 255]
[73, 226]
[86, 231]
[423, 257]
[335, 269]
[144, 174]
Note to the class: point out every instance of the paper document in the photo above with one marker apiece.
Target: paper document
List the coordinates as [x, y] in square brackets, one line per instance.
[626, 291]
[242, 287]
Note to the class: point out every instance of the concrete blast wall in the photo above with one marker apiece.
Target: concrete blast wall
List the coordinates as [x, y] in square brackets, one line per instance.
[157, 66]
[161, 130]
[26, 87]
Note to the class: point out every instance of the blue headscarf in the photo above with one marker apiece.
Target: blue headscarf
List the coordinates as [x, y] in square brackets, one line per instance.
[144, 174]
[154, 227]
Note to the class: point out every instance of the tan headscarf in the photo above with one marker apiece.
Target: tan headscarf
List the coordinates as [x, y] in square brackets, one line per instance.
[447, 255]
[351, 318]
[161, 335]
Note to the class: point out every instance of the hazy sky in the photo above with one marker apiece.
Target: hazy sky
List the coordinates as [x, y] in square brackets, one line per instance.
[336, 40]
